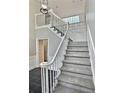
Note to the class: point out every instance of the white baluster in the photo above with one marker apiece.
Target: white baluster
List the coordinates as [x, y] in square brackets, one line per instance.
[50, 79]
[53, 75]
[47, 81]
[42, 80]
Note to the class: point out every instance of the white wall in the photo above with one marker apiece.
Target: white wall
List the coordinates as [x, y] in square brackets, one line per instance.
[32, 62]
[53, 42]
[90, 17]
[78, 34]
[34, 7]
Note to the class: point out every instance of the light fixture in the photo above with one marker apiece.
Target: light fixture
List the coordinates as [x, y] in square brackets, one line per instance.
[44, 6]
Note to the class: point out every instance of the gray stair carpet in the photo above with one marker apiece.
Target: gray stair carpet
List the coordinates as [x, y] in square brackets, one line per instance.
[76, 74]
[63, 89]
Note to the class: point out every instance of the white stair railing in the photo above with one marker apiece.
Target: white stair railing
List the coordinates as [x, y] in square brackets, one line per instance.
[51, 19]
[57, 22]
[51, 70]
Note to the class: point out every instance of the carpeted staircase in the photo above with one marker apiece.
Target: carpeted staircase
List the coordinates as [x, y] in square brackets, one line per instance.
[76, 76]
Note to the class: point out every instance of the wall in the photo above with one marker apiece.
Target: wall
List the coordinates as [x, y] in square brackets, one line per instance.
[32, 62]
[34, 7]
[77, 31]
[90, 17]
[40, 20]
[53, 42]
[45, 49]
[65, 8]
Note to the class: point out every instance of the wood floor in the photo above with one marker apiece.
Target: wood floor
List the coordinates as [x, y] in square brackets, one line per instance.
[35, 81]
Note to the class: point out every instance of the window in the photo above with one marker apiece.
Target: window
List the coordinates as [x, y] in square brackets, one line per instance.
[73, 19]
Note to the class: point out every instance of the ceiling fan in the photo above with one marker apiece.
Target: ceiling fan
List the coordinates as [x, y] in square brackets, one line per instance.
[44, 7]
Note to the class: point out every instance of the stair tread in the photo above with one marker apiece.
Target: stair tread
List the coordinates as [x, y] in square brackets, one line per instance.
[80, 88]
[85, 62]
[79, 43]
[79, 70]
[83, 82]
[63, 89]
[77, 50]
[70, 45]
[76, 55]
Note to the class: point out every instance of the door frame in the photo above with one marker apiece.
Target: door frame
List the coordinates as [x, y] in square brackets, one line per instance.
[37, 50]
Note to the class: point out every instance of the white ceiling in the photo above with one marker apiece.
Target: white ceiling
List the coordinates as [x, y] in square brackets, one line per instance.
[66, 8]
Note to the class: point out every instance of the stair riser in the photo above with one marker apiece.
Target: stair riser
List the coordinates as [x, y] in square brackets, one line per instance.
[77, 75]
[86, 63]
[88, 68]
[78, 71]
[76, 87]
[83, 54]
[78, 48]
[76, 59]
[78, 43]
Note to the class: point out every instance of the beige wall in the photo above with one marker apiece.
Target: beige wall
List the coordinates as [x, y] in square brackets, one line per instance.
[90, 15]
[66, 8]
[33, 8]
[53, 42]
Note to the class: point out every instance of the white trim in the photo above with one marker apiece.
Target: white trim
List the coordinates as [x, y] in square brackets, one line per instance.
[36, 26]
[89, 37]
[37, 50]
[40, 27]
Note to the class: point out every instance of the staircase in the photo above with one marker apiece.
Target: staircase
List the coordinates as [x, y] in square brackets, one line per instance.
[70, 71]
[76, 74]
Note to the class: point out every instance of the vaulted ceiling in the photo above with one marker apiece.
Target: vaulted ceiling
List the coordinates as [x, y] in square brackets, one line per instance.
[66, 8]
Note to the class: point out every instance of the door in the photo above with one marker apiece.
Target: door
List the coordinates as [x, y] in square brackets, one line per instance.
[43, 50]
